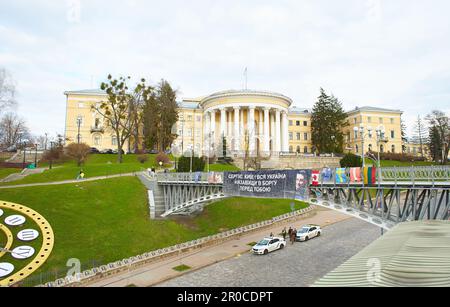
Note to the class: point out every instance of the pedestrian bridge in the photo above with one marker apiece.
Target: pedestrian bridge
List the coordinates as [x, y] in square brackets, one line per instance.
[400, 194]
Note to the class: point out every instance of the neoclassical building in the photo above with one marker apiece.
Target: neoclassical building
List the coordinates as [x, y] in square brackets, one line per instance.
[256, 122]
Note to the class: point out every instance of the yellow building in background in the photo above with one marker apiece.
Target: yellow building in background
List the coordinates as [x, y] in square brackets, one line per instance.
[258, 122]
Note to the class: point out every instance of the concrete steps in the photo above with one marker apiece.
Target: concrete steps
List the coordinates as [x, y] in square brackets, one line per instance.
[158, 194]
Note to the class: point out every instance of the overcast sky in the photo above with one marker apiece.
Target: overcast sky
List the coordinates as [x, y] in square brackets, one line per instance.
[393, 54]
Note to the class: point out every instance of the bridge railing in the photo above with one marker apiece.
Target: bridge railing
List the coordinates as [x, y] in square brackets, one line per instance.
[197, 177]
[385, 174]
[416, 173]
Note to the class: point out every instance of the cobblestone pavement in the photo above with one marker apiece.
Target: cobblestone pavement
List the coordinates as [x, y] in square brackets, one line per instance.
[297, 265]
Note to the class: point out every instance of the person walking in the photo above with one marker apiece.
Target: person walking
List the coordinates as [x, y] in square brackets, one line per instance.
[283, 233]
[290, 231]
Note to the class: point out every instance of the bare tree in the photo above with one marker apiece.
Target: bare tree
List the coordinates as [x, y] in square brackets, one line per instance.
[13, 130]
[7, 90]
[78, 152]
[420, 134]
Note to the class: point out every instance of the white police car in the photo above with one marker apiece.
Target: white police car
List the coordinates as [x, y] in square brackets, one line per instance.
[308, 232]
[268, 245]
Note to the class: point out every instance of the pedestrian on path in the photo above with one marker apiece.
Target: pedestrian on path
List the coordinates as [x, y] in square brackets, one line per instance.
[284, 233]
[290, 231]
[80, 175]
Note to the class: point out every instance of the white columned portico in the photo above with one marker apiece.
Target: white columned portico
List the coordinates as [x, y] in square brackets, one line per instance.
[266, 136]
[277, 130]
[251, 129]
[261, 130]
[285, 132]
[237, 132]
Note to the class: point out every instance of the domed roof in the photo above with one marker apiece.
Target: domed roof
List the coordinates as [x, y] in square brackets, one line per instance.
[231, 93]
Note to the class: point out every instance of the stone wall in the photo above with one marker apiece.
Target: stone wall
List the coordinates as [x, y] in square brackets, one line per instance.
[295, 162]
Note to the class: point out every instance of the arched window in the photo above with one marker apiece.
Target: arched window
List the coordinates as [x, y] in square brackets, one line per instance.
[393, 148]
[298, 149]
[356, 148]
[381, 148]
[370, 147]
[305, 150]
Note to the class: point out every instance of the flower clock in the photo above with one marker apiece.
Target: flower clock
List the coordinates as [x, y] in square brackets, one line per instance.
[26, 241]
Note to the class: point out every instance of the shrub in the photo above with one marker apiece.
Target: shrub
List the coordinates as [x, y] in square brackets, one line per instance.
[351, 160]
[162, 157]
[398, 157]
[142, 158]
[78, 151]
[184, 164]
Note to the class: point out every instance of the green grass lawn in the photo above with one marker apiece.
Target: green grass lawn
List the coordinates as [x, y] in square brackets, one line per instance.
[105, 221]
[389, 163]
[219, 167]
[5, 172]
[96, 165]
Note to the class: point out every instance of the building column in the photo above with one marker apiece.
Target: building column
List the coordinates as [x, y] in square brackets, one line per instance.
[261, 130]
[223, 124]
[237, 132]
[213, 129]
[277, 131]
[266, 136]
[251, 129]
[272, 130]
[285, 132]
[206, 136]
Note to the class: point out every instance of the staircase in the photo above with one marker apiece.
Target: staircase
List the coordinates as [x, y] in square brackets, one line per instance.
[158, 194]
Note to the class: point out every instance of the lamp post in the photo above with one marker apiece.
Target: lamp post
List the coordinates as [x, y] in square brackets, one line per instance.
[24, 154]
[35, 155]
[361, 130]
[160, 164]
[380, 139]
[51, 155]
[79, 125]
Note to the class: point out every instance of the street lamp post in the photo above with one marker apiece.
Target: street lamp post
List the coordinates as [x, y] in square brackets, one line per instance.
[24, 154]
[79, 125]
[35, 155]
[360, 130]
[51, 155]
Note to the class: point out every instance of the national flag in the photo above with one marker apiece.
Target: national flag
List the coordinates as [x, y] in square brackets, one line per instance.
[315, 176]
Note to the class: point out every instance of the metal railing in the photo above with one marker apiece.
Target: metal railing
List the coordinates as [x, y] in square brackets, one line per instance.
[388, 174]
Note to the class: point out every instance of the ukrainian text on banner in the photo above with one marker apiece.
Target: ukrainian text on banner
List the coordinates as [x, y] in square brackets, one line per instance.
[268, 184]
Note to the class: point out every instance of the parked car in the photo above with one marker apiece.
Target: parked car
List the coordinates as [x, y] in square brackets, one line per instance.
[308, 232]
[152, 151]
[106, 151]
[268, 245]
[94, 150]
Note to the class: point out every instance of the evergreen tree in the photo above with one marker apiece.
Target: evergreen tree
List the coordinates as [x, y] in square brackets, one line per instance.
[404, 137]
[160, 115]
[328, 118]
[435, 144]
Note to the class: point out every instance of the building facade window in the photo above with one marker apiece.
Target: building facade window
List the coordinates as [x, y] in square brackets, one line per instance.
[189, 117]
[114, 141]
[291, 136]
[305, 123]
[305, 149]
[370, 147]
[291, 149]
[356, 148]
[298, 136]
[393, 148]
[290, 123]
[381, 148]
[97, 140]
[199, 118]
[392, 134]
[380, 120]
[369, 119]
[297, 123]
[298, 149]
[392, 121]
[305, 136]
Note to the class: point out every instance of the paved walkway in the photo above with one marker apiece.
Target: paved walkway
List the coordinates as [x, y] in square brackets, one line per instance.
[154, 273]
[66, 181]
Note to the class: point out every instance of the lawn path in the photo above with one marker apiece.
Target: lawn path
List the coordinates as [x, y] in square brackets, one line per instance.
[69, 181]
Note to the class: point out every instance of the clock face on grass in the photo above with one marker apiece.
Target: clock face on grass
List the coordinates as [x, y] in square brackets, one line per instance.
[26, 241]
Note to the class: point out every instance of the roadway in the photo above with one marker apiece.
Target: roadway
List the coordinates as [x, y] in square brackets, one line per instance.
[297, 265]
